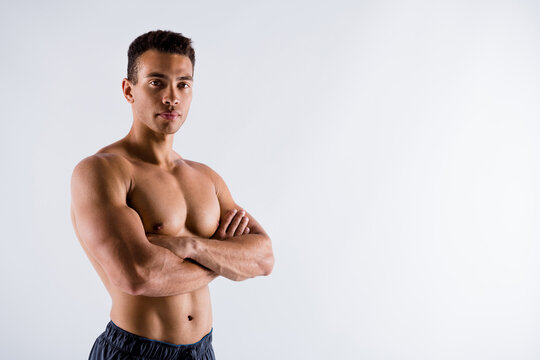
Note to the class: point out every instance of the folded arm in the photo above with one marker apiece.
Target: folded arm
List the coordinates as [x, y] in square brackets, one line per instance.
[115, 237]
[238, 257]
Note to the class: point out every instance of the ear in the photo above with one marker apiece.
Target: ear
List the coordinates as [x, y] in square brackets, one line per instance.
[127, 89]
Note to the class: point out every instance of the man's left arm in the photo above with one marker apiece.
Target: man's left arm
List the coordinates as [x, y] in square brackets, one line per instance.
[237, 257]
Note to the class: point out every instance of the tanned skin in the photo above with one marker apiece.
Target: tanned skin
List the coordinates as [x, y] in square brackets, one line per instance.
[156, 227]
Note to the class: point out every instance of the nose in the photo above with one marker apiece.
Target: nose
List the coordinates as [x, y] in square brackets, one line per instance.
[171, 98]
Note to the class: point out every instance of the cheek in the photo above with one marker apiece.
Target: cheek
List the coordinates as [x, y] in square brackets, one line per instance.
[187, 104]
[142, 107]
[187, 100]
[143, 101]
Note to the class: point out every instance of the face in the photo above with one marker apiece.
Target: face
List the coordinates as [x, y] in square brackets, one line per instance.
[161, 98]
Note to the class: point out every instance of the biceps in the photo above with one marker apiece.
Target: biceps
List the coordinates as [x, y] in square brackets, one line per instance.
[227, 203]
[114, 235]
[225, 199]
[254, 226]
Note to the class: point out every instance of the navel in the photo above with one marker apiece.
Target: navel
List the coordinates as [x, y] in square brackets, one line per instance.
[189, 317]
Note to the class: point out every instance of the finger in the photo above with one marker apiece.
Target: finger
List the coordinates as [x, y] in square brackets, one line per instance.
[234, 223]
[224, 223]
[241, 227]
[246, 231]
[228, 218]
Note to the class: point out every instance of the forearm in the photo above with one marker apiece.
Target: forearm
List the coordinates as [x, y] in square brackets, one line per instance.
[237, 258]
[165, 274]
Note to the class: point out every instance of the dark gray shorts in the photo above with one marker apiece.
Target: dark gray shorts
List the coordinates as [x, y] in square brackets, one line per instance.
[118, 344]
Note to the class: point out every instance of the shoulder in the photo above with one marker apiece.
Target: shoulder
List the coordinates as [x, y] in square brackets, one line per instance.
[222, 191]
[102, 173]
[103, 163]
[206, 171]
[198, 166]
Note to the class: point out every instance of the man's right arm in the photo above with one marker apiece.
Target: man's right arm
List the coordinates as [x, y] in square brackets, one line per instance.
[114, 234]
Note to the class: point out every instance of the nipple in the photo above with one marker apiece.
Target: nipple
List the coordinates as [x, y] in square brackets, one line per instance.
[189, 317]
[158, 226]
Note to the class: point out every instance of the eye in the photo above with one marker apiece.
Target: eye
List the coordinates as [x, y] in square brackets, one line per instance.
[183, 85]
[155, 82]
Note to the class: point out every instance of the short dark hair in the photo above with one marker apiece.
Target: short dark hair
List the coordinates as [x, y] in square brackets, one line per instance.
[160, 40]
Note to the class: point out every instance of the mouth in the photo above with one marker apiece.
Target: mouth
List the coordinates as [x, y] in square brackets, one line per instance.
[169, 115]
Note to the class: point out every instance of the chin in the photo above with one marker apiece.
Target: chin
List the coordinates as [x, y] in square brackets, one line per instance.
[168, 128]
[171, 130]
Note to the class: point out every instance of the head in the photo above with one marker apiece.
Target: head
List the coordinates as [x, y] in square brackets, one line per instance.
[162, 41]
[160, 79]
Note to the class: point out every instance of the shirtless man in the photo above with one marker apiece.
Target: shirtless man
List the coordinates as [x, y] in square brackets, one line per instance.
[157, 227]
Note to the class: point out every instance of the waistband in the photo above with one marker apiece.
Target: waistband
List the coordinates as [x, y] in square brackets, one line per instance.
[143, 347]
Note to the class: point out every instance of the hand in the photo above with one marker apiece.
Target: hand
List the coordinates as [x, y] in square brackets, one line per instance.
[234, 223]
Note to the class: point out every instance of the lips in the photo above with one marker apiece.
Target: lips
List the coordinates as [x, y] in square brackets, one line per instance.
[169, 115]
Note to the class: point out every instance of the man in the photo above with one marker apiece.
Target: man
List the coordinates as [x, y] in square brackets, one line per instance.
[157, 227]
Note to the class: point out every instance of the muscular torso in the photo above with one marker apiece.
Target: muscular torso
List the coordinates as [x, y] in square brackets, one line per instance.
[180, 202]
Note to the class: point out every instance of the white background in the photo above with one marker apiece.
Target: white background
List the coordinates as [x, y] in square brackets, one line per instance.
[389, 148]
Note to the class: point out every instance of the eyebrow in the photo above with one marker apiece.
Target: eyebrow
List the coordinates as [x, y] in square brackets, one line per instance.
[160, 75]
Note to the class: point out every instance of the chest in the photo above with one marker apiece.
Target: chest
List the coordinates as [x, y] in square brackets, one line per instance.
[180, 202]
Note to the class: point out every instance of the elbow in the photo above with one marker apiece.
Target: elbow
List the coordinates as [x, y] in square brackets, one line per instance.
[267, 265]
[240, 277]
[133, 288]
[263, 267]
[136, 288]
[131, 284]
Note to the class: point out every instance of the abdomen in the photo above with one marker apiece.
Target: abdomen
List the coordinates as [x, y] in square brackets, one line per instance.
[178, 319]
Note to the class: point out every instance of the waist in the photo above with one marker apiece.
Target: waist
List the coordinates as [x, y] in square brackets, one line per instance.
[146, 347]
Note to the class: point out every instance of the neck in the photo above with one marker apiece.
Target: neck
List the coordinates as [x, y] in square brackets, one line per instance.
[150, 146]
